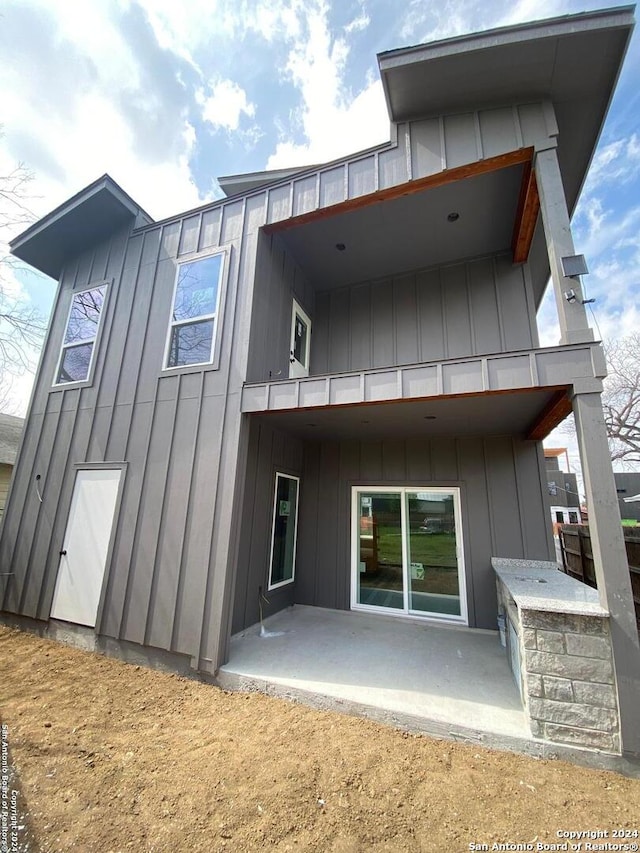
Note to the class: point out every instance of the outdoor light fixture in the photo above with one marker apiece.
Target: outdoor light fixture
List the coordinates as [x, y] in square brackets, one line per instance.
[453, 217]
[573, 266]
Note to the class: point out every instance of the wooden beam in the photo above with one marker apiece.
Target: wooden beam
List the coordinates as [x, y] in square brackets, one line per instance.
[526, 217]
[553, 414]
[447, 176]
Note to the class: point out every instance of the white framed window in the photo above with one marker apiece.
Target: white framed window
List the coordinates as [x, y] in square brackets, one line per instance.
[407, 552]
[195, 307]
[284, 532]
[81, 333]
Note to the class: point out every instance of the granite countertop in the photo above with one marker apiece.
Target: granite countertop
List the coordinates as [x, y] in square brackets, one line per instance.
[540, 585]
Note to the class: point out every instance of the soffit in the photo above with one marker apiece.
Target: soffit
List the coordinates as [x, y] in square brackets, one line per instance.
[409, 232]
[472, 415]
[92, 215]
[574, 61]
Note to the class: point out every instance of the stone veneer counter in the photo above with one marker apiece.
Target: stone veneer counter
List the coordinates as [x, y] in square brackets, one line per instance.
[540, 585]
[559, 644]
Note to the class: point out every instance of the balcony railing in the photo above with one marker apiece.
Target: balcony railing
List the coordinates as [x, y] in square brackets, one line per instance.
[552, 367]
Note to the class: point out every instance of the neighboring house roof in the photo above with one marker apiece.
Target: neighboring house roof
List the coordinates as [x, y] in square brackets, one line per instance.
[89, 216]
[10, 432]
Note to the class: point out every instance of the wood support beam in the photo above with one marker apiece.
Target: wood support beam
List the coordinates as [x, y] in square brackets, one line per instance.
[439, 179]
[526, 217]
[553, 414]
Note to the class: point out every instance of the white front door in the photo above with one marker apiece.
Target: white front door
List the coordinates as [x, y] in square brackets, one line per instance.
[300, 343]
[86, 542]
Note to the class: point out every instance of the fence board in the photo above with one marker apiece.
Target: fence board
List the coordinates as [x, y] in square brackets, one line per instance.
[577, 558]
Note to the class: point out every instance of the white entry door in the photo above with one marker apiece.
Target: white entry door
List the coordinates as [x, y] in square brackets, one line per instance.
[86, 542]
[300, 343]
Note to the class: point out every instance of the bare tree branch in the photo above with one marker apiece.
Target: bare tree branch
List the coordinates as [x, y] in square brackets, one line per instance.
[22, 326]
[621, 399]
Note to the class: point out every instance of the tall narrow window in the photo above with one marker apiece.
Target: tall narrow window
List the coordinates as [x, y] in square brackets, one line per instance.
[194, 315]
[80, 337]
[284, 533]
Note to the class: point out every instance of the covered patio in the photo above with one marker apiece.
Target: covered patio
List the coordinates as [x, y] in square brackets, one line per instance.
[447, 681]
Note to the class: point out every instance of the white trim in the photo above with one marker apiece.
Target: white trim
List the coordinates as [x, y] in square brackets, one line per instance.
[271, 586]
[93, 341]
[296, 369]
[214, 315]
[406, 611]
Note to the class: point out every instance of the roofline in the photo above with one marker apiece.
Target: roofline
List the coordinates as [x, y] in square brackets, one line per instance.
[103, 182]
[304, 171]
[620, 16]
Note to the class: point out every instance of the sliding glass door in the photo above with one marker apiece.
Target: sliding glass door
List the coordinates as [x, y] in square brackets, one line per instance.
[407, 552]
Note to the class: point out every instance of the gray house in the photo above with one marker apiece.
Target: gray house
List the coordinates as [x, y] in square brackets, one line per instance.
[628, 491]
[327, 388]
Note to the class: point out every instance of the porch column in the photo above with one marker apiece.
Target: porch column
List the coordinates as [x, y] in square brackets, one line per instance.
[574, 327]
[610, 561]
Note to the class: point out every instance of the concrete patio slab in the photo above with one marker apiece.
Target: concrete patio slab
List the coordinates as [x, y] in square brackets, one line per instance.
[451, 682]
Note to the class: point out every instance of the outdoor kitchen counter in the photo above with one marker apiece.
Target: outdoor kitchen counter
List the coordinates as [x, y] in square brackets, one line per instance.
[540, 585]
[559, 646]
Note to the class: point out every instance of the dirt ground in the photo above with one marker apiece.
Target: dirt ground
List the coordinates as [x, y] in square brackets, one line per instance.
[114, 757]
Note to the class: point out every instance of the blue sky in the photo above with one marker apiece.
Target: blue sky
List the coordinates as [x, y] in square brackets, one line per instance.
[165, 96]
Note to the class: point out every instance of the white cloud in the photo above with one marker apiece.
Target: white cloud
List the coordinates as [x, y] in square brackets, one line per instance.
[225, 105]
[333, 121]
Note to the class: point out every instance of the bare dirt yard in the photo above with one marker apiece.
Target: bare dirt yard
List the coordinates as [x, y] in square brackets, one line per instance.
[114, 757]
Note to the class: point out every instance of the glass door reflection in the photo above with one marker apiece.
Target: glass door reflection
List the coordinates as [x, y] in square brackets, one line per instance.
[434, 581]
[380, 564]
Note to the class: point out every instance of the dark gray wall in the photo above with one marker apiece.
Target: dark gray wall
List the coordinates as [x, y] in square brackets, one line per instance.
[180, 433]
[269, 451]
[504, 511]
[279, 278]
[473, 308]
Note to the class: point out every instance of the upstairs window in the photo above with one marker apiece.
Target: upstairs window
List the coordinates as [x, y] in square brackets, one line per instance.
[194, 316]
[80, 336]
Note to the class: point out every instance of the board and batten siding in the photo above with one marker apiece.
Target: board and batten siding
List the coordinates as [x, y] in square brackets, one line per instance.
[269, 451]
[279, 279]
[180, 432]
[503, 507]
[473, 308]
[418, 149]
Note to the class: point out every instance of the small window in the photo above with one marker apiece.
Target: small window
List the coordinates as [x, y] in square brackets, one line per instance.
[560, 517]
[284, 531]
[193, 324]
[573, 518]
[80, 336]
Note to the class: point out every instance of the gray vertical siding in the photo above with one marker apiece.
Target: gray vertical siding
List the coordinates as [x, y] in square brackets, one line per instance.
[503, 508]
[269, 451]
[473, 308]
[179, 433]
[196, 469]
[279, 279]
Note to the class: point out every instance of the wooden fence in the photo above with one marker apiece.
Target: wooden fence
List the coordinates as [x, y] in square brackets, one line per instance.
[577, 557]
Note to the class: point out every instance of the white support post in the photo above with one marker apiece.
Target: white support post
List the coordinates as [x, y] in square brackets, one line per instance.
[574, 327]
[610, 561]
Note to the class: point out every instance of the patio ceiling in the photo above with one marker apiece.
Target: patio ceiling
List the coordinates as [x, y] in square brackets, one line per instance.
[482, 414]
[410, 231]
